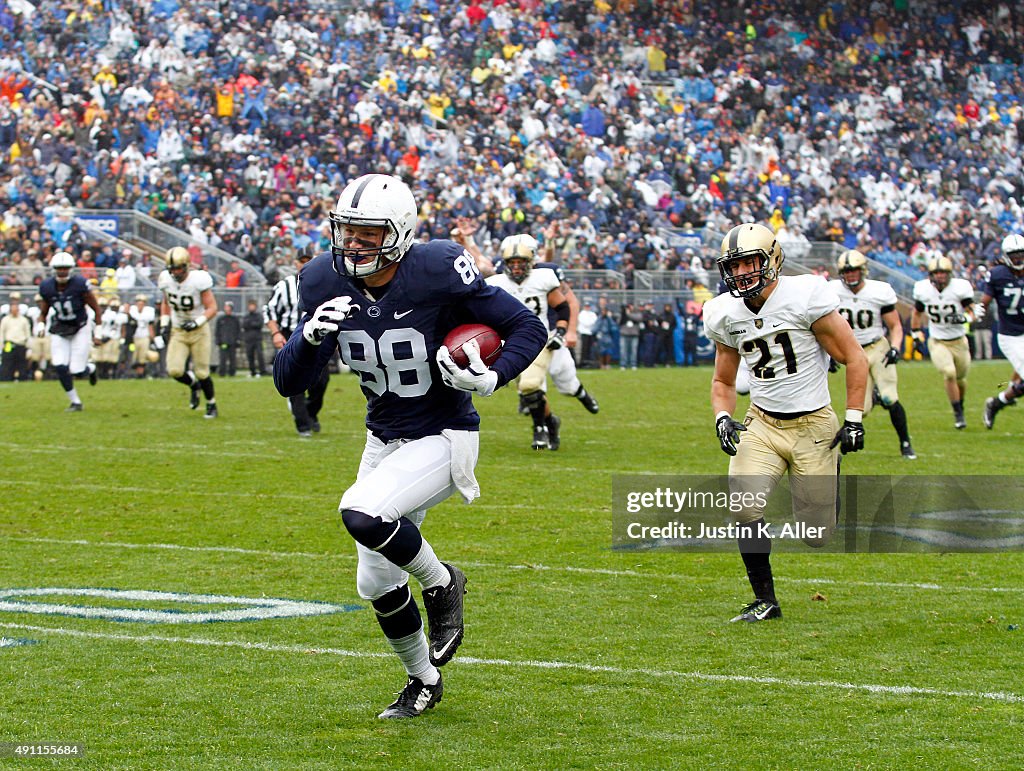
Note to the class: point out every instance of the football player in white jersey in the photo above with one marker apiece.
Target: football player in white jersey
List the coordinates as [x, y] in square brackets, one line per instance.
[944, 305]
[108, 338]
[187, 306]
[538, 289]
[870, 309]
[141, 316]
[785, 327]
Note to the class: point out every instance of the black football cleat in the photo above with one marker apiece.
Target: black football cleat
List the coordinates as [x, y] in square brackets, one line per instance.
[554, 423]
[991, 408]
[444, 606]
[211, 411]
[541, 439]
[74, 407]
[413, 700]
[759, 610]
[315, 427]
[193, 396]
[907, 451]
[958, 419]
[93, 376]
[588, 401]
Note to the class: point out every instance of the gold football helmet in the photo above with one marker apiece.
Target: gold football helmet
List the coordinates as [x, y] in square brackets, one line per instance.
[518, 253]
[750, 241]
[178, 262]
[940, 271]
[852, 267]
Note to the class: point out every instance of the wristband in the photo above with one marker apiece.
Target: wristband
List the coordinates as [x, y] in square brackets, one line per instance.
[721, 413]
[200, 321]
[165, 320]
[854, 416]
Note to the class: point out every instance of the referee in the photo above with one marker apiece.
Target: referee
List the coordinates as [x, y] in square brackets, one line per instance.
[281, 315]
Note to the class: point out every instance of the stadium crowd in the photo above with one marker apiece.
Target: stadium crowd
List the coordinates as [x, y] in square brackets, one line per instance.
[890, 127]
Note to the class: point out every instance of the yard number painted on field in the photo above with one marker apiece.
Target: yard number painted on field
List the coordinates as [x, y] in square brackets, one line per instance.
[245, 608]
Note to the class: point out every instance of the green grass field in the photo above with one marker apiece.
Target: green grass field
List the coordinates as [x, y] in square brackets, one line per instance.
[576, 656]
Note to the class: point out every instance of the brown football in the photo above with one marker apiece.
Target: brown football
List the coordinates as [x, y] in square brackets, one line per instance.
[488, 340]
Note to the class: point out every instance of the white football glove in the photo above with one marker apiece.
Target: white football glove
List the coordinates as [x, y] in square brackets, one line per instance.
[327, 319]
[476, 377]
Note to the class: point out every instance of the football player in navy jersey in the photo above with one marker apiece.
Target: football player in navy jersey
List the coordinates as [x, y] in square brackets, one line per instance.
[387, 304]
[68, 295]
[1005, 285]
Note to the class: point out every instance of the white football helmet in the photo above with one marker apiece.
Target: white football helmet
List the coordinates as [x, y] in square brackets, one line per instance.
[518, 253]
[374, 201]
[62, 264]
[1013, 252]
[745, 242]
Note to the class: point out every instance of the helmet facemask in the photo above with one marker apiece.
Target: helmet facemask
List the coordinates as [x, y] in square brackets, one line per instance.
[939, 279]
[518, 268]
[375, 248]
[747, 282]
[1014, 260]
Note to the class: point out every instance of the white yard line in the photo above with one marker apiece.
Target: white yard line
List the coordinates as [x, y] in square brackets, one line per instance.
[499, 566]
[659, 674]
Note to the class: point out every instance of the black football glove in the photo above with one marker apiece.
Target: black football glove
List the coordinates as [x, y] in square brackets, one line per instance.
[918, 337]
[850, 437]
[556, 339]
[892, 356]
[728, 433]
[189, 325]
[833, 365]
[958, 318]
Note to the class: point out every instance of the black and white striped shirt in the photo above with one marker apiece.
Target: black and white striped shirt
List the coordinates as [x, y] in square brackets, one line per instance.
[283, 305]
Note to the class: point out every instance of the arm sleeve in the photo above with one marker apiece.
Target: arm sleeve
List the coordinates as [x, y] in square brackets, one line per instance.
[298, 365]
[524, 334]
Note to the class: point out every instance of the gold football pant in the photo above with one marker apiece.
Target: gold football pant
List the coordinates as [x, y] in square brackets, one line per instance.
[880, 375]
[771, 446]
[951, 357]
[196, 343]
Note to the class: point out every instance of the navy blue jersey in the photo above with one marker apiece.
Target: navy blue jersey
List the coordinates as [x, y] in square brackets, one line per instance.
[391, 342]
[67, 301]
[1006, 288]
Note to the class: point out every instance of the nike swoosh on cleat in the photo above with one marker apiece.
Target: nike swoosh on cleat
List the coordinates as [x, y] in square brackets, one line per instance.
[439, 652]
[402, 315]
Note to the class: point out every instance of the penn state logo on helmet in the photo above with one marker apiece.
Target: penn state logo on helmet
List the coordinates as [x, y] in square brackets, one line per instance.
[852, 267]
[940, 270]
[373, 202]
[518, 253]
[62, 264]
[1013, 252]
[177, 260]
[751, 259]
